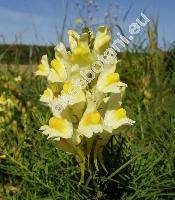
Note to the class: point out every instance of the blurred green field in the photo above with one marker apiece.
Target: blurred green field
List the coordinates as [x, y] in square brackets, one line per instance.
[140, 161]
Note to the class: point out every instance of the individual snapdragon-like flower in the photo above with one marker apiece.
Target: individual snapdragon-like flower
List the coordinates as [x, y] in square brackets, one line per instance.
[116, 118]
[80, 50]
[57, 71]
[18, 79]
[47, 96]
[58, 127]
[84, 95]
[109, 80]
[73, 96]
[102, 40]
[91, 121]
[43, 67]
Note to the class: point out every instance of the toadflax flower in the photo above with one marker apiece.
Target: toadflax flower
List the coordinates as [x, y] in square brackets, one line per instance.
[58, 127]
[91, 121]
[84, 94]
[18, 79]
[43, 67]
[47, 96]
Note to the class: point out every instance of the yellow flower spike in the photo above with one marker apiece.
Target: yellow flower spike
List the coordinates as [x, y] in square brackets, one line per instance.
[85, 116]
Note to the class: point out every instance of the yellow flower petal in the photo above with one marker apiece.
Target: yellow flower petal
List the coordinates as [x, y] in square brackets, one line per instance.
[92, 119]
[57, 124]
[119, 114]
[112, 78]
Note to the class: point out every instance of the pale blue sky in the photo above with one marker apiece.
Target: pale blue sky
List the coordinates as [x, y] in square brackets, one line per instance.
[36, 21]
